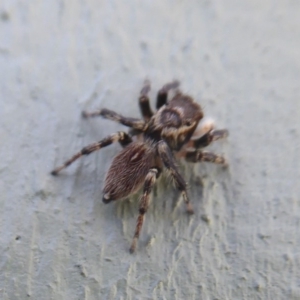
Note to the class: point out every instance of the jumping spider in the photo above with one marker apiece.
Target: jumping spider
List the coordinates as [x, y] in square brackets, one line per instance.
[170, 131]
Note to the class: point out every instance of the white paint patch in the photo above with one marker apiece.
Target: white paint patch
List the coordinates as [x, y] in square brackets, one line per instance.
[204, 126]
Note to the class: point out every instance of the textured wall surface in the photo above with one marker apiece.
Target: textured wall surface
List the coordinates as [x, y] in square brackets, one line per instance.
[239, 59]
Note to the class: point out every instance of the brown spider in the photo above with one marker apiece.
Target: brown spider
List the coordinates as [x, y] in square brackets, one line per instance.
[171, 130]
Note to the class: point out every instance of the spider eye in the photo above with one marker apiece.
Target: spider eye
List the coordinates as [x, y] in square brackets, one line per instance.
[188, 123]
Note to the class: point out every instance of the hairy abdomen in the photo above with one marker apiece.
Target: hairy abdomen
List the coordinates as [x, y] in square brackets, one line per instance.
[128, 171]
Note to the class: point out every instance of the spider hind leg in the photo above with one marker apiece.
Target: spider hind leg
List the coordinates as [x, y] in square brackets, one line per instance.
[144, 204]
[122, 137]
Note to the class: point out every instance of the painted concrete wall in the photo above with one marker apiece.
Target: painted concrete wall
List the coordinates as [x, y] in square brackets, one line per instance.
[239, 59]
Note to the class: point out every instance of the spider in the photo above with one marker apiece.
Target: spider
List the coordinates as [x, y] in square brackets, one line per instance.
[171, 131]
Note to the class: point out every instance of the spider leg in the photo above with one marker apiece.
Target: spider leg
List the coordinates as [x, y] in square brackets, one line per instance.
[169, 162]
[209, 137]
[122, 137]
[162, 96]
[144, 101]
[134, 123]
[198, 155]
[144, 204]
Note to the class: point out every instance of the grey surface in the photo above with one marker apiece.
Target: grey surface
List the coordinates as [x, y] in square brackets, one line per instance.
[239, 59]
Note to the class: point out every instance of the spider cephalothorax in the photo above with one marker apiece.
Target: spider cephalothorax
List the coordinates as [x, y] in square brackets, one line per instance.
[171, 130]
[175, 122]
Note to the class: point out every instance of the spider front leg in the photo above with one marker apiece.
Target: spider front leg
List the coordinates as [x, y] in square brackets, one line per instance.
[144, 101]
[134, 123]
[122, 137]
[162, 96]
[203, 141]
[144, 204]
[169, 162]
[209, 137]
[198, 155]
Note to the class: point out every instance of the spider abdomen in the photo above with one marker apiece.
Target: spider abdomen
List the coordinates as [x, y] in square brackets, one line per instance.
[128, 171]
